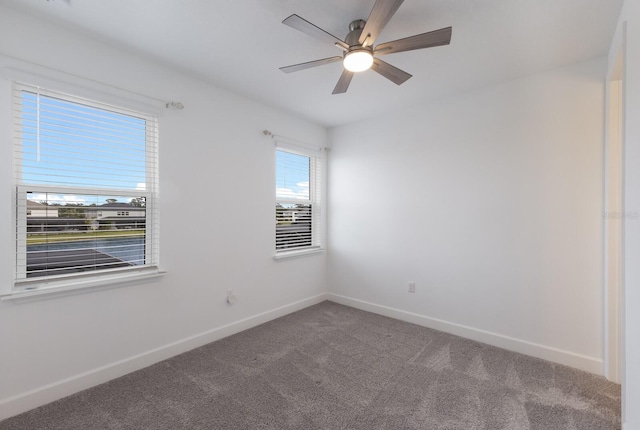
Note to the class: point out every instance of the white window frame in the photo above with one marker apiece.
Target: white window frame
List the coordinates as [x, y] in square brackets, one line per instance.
[24, 287]
[317, 197]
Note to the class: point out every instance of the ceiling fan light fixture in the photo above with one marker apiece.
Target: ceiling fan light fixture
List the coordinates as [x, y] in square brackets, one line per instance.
[358, 45]
[358, 60]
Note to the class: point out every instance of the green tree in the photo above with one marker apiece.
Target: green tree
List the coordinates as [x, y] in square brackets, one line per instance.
[72, 210]
[139, 202]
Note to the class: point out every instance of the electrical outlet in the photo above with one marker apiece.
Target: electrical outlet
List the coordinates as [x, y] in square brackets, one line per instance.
[412, 287]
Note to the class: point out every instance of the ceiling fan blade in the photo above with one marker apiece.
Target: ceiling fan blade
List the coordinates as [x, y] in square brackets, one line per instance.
[390, 72]
[309, 64]
[419, 41]
[312, 30]
[380, 15]
[343, 82]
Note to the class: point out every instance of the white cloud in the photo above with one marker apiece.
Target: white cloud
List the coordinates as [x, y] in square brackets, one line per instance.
[300, 192]
[287, 193]
[38, 197]
[73, 199]
[141, 186]
[55, 198]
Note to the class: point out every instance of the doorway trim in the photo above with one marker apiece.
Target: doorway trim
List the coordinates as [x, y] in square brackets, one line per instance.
[614, 216]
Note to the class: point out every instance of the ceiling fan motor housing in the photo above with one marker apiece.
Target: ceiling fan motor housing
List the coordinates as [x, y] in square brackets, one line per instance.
[355, 29]
[361, 57]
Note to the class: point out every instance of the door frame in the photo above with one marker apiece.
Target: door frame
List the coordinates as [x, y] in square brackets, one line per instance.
[614, 218]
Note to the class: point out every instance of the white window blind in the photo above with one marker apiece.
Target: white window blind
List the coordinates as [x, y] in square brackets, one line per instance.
[298, 180]
[86, 181]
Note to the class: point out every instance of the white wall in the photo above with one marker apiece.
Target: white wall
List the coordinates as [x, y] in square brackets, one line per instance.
[492, 203]
[215, 158]
[627, 38]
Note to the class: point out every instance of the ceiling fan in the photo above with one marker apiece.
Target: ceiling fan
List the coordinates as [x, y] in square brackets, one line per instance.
[359, 54]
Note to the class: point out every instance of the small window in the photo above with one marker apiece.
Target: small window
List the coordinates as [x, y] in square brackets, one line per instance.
[297, 200]
[73, 158]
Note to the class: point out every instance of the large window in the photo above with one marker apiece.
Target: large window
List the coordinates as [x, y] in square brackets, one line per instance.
[297, 200]
[85, 177]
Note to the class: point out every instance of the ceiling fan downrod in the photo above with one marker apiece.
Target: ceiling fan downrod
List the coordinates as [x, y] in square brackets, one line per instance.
[355, 30]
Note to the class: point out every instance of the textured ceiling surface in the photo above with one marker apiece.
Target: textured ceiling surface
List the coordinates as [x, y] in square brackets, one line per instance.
[239, 45]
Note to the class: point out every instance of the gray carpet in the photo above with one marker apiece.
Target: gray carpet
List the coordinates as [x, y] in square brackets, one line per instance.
[333, 367]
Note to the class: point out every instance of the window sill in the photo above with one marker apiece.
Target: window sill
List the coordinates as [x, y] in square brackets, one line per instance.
[59, 288]
[285, 255]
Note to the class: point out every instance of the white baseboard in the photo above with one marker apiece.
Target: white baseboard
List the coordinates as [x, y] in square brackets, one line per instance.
[582, 362]
[32, 399]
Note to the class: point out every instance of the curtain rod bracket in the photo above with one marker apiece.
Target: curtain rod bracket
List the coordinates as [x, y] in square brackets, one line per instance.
[174, 106]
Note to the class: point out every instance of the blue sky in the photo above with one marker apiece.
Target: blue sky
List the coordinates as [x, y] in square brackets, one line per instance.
[292, 176]
[76, 145]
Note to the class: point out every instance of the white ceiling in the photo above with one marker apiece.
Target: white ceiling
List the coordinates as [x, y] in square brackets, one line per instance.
[239, 45]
